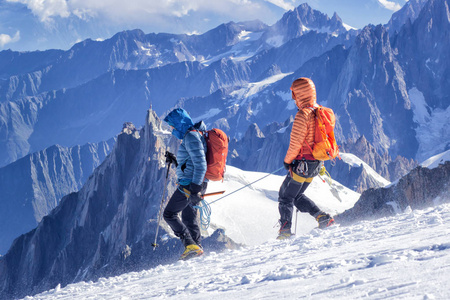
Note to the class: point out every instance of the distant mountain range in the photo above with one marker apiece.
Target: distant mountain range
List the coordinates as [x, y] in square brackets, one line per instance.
[33, 185]
[234, 75]
[28, 27]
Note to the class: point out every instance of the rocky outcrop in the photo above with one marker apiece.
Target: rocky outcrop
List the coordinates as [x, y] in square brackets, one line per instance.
[420, 188]
[107, 227]
[382, 164]
[34, 185]
[407, 14]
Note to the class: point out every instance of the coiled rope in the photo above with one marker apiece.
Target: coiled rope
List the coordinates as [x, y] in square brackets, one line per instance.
[205, 214]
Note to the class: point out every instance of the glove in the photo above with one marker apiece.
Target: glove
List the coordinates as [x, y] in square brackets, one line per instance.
[171, 158]
[322, 171]
[195, 188]
[286, 165]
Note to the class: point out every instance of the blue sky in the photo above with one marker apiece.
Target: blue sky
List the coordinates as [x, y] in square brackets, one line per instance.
[43, 24]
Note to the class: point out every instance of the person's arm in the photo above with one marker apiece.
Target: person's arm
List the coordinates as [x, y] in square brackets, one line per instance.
[298, 136]
[196, 150]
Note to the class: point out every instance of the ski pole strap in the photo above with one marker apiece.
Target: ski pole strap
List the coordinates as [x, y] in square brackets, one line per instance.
[246, 185]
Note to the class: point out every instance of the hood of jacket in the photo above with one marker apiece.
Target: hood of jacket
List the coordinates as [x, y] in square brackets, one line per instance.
[304, 92]
[181, 122]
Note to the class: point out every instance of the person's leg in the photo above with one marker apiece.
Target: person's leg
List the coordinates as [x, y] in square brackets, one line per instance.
[189, 218]
[288, 192]
[304, 203]
[177, 203]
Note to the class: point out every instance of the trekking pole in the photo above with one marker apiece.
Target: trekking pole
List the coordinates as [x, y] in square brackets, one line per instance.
[160, 207]
[295, 228]
[246, 185]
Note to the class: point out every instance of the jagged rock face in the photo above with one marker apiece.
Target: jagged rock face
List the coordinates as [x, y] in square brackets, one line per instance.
[106, 228]
[365, 151]
[422, 187]
[302, 19]
[241, 108]
[383, 87]
[424, 48]
[32, 186]
[408, 13]
[90, 112]
[370, 96]
[383, 164]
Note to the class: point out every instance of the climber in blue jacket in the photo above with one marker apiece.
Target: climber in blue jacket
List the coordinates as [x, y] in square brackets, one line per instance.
[191, 169]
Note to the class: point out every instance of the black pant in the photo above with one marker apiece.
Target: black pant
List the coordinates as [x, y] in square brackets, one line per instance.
[187, 228]
[292, 193]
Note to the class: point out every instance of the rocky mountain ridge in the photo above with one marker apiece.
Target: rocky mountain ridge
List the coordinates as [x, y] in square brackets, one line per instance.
[420, 188]
[100, 79]
[372, 84]
[108, 226]
[33, 185]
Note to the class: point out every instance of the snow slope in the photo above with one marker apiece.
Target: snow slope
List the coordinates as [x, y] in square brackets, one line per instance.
[250, 215]
[434, 161]
[354, 161]
[402, 257]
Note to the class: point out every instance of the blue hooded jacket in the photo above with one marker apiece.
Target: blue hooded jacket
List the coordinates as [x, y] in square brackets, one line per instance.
[192, 151]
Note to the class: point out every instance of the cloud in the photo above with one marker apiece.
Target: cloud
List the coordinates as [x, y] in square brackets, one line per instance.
[132, 10]
[46, 9]
[390, 5]
[286, 5]
[171, 16]
[6, 39]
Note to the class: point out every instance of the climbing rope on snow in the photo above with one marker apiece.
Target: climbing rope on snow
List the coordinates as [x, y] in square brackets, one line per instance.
[205, 208]
[247, 185]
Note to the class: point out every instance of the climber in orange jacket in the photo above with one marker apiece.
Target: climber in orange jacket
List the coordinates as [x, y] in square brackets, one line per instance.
[300, 162]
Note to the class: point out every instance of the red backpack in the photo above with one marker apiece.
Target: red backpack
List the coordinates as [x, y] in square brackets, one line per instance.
[325, 146]
[216, 154]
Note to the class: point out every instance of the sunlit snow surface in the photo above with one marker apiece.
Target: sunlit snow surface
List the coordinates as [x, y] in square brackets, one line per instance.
[401, 257]
[249, 216]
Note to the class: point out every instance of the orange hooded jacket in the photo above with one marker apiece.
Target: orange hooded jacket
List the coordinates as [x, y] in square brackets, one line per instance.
[304, 94]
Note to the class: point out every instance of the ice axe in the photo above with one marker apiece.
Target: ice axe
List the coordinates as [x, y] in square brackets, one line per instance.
[333, 189]
[213, 193]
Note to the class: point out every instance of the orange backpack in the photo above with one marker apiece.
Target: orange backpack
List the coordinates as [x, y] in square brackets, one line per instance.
[325, 146]
[216, 154]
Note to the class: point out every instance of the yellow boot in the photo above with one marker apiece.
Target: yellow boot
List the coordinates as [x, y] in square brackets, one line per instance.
[190, 251]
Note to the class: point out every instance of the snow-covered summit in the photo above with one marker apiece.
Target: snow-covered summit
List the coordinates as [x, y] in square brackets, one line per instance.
[436, 160]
